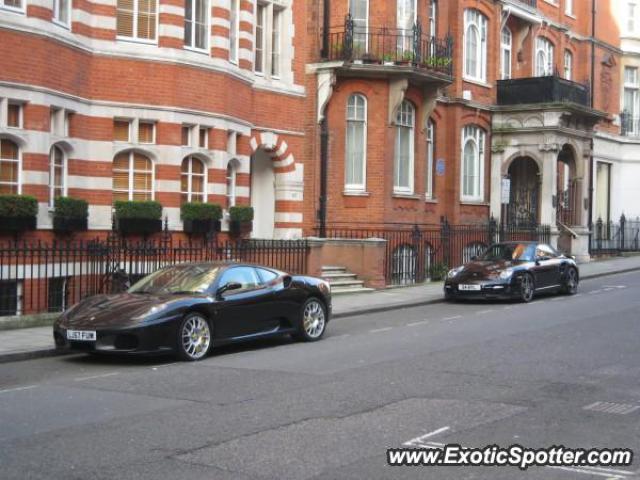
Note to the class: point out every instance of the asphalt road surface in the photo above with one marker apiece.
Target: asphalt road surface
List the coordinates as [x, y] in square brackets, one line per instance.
[475, 374]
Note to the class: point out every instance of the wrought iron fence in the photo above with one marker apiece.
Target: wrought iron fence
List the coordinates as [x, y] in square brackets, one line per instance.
[43, 277]
[629, 124]
[610, 237]
[385, 45]
[423, 252]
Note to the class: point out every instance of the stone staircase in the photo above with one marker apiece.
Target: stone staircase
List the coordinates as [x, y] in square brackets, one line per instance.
[342, 281]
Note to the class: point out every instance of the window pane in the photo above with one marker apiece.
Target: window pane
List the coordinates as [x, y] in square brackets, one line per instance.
[140, 162]
[197, 166]
[186, 136]
[13, 115]
[259, 65]
[188, 23]
[8, 150]
[275, 44]
[8, 172]
[233, 30]
[121, 130]
[145, 132]
[124, 21]
[203, 137]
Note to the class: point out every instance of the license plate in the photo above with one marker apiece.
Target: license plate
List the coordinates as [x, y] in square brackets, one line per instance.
[470, 288]
[81, 335]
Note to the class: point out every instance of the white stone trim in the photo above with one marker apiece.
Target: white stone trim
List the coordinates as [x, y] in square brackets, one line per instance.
[171, 9]
[172, 31]
[93, 21]
[288, 217]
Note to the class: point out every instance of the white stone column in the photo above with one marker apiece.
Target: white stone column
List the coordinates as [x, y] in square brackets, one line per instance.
[495, 196]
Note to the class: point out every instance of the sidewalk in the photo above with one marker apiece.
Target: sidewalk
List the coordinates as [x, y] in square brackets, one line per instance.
[36, 342]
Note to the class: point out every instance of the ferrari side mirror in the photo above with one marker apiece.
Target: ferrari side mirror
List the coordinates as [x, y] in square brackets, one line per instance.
[228, 287]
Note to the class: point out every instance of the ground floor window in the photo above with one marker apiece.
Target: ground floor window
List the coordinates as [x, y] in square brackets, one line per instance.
[10, 302]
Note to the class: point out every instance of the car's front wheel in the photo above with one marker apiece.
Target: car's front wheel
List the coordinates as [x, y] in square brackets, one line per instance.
[527, 288]
[194, 337]
[570, 286]
[313, 322]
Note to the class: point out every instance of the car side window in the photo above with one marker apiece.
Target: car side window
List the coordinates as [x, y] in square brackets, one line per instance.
[245, 276]
[266, 276]
[545, 251]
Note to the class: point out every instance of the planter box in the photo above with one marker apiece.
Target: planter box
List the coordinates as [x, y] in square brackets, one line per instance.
[67, 225]
[240, 228]
[138, 226]
[17, 224]
[201, 226]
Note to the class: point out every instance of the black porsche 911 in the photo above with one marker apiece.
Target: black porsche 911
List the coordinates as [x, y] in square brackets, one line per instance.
[189, 308]
[513, 270]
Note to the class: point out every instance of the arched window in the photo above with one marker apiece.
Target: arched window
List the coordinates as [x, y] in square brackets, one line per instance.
[430, 155]
[568, 65]
[544, 57]
[505, 53]
[232, 179]
[192, 180]
[473, 138]
[9, 166]
[132, 176]
[57, 174]
[356, 144]
[475, 45]
[403, 167]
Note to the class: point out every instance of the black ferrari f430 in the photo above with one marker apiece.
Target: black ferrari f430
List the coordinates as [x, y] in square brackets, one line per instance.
[189, 308]
[513, 270]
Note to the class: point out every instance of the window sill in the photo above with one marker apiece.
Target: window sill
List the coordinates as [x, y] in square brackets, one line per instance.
[143, 41]
[551, 2]
[475, 81]
[474, 203]
[406, 196]
[202, 51]
[430, 200]
[6, 8]
[355, 193]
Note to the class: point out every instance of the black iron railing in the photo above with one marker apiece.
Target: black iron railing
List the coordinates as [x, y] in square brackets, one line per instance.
[610, 237]
[42, 277]
[534, 90]
[391, 46]
[530, 3]
[422, 252]
[629, 124]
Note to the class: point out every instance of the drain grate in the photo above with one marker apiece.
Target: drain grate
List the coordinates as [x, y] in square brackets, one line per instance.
[614, 408]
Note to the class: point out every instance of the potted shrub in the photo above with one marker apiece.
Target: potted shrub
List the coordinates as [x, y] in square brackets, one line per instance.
[138, 217]
[70, 215]
[201, 217]
[240, 220]
[18, 213]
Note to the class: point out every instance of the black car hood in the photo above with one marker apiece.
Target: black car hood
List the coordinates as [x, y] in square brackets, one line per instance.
[112, 310]
[484, 270]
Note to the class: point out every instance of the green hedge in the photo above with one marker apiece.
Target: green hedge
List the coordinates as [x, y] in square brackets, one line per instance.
[18, 206]
[241, 214]
[67, 207]
[200, 211]
[138, 209]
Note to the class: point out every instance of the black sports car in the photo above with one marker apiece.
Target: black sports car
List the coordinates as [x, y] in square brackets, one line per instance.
[188, 308]
[513, 270]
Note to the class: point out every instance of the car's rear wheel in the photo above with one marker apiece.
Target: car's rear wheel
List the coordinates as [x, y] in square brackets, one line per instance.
[571, 281]
[313, 323]
[194, 337]
[527, 288]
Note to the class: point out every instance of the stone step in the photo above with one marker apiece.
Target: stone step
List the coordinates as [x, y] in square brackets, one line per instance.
[331, 277]
[333, 269]
[346, 283]
[344, 290]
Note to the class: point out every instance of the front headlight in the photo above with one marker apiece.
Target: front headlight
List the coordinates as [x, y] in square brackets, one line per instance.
[454, 271]
[506, 274]
[151, 312]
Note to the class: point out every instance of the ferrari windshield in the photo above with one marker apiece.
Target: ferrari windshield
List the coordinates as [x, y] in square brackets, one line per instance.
[514, 252]
[177, 279]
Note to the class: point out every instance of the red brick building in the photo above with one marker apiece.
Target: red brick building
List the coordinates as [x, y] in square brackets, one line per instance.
[327, 114]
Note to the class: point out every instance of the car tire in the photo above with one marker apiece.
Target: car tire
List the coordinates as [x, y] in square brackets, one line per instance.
[527, 288]
[571, 281]
[313, 321]
[194, 337]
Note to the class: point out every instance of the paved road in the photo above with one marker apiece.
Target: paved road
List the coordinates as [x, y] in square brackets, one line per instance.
[477, 374]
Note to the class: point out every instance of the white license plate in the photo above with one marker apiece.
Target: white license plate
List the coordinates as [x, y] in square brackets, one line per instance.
[469, 288]
[81, 335]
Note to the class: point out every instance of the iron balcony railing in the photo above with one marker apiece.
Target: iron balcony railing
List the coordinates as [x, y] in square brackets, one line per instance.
[549, 89]
[629, 124]
[391, 46]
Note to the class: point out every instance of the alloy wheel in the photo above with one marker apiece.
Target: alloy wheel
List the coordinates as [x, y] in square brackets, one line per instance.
[314, 319]
[526, 288]
[195, 337]
[572, 282]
